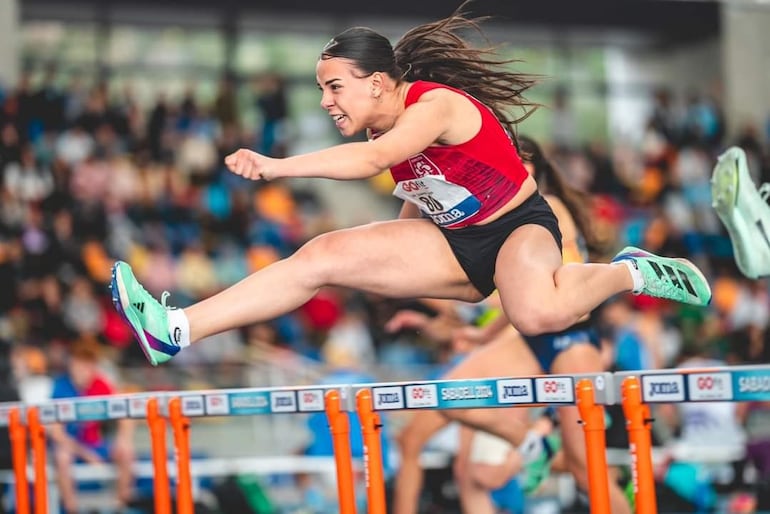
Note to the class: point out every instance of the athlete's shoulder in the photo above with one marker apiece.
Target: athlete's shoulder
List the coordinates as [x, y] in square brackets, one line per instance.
[426, 90]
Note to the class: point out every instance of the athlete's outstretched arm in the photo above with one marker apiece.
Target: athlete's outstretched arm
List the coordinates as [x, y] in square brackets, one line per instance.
[421, 124]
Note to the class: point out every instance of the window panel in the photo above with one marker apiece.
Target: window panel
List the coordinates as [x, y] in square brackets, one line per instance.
[54, 41]
[291, 54]
[166, 47]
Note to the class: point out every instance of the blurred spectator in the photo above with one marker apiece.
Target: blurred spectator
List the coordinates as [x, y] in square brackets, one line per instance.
[81, 310]
[196, 157]
[85, 442]
[273, 106]
[665, 120]
[74, 145]
[632, 334]
[30, 369]
[49, 102]
[758, 447]
[10, 145]
[27, 180]
[10, 254]
[564, 132]
[156, 129]
[703, 123]
[226, 103]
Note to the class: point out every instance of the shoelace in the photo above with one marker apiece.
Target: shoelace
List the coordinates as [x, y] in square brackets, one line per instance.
[163, 297]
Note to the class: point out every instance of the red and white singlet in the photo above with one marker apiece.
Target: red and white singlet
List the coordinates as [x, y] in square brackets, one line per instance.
[460, 185]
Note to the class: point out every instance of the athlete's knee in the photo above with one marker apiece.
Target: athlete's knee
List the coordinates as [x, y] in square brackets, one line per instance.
[409, 443]
[540, 319]
[63, 458]
[319, 258]
[122, 455]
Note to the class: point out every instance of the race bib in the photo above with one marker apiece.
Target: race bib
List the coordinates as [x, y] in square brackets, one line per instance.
[446, 203]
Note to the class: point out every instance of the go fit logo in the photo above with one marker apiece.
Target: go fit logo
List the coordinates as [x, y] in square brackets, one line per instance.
[710, 386]
[555, 390]
[421, 396]
[311, 400]
[411, 186]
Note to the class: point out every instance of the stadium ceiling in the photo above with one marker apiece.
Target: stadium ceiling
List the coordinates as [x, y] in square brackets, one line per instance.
[663, 22]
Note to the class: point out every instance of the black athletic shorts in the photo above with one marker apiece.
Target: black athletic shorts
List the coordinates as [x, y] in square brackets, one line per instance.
[547, 347]
[476, 247]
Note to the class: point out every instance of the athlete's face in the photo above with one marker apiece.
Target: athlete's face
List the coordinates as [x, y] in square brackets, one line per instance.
[347, 97]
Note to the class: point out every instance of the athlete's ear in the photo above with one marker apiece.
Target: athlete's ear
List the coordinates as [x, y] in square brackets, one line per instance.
[377, 83]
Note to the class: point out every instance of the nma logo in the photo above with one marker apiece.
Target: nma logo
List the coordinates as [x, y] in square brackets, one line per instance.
[663, 388]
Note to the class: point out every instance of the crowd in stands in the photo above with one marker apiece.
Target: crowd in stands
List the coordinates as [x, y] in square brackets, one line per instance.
[88, 176]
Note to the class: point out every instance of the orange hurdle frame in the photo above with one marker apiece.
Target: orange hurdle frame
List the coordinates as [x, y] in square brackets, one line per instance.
[371, 426]
[592, 416]
[639, 427]
[37, 441]
[339, 424]
[160, 483]
[18, 435]
[180, 425]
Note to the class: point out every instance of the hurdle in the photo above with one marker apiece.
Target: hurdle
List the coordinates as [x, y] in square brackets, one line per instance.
[640, 389]
[336, 401]
[157, 408]
[589, 392]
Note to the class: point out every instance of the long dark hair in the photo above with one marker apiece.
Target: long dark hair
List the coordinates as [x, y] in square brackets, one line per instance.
[550, 181]
[436, 52]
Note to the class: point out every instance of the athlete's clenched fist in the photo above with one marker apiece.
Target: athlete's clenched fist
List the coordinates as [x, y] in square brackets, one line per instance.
[249, 164]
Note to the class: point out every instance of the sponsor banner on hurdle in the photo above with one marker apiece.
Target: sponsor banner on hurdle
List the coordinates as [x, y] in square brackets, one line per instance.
[710, 386]
[250, 402]
[555, 390]
[751, 385]
[5, 410]
[421, 396]
[137, 406]
[467, 394]
[48, 412]
[117, 408]
[663, 388]
[76, 410]
[283, 401]
[94, 410]
[476, 393]
[310, 400]
[742, 383]
[192, 405]
[388, 397]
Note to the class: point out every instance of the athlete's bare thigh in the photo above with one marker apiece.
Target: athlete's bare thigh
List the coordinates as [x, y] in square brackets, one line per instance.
[406, 258]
